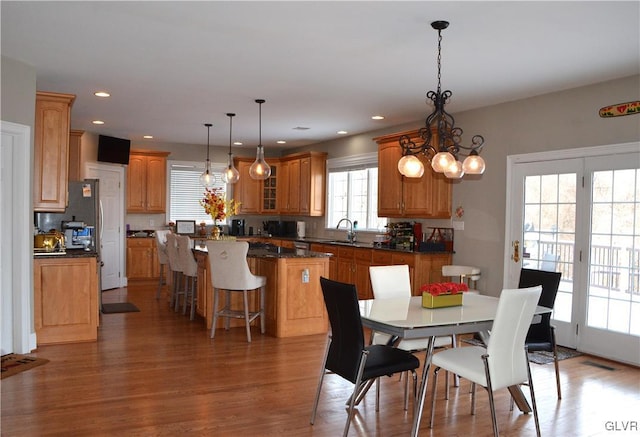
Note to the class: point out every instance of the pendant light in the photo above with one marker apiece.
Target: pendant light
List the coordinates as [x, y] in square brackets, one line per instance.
[231, 174]
[260, 170]
[207, 179]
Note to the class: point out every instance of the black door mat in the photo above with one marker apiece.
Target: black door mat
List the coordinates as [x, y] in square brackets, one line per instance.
[119, 307]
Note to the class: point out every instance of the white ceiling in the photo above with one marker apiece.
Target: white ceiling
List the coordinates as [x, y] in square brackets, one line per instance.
[173, 66]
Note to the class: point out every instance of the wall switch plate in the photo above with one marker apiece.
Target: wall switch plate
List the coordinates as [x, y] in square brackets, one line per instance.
[458, 225]
[305, 276]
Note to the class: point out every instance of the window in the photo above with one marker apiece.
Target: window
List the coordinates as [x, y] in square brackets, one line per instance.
[186, 192]
[352, 192]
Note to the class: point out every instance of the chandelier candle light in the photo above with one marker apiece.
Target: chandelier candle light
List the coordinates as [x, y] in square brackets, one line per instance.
[207, 178]
[260, 170]
[441, 139]
[231, 174]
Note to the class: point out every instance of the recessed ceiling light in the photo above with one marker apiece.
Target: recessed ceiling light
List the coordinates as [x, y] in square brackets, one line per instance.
[281, 142]
[101, 94]
[237, 143]
[97, 122]
[147, 137]
[377, 117]
[301, 128]
[342, 132]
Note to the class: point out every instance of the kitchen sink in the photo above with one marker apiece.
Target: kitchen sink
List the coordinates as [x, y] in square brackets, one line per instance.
[345, 242]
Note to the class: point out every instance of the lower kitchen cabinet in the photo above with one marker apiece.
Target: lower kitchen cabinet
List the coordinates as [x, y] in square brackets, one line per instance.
[65, 299]
[142, 259]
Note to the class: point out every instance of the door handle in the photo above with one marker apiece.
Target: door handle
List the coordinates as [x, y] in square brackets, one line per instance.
[516, 251]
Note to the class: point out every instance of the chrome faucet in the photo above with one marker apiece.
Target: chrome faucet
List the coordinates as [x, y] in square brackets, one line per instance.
[351, 234]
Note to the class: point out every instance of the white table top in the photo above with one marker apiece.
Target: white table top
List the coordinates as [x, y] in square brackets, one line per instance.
[406, 317]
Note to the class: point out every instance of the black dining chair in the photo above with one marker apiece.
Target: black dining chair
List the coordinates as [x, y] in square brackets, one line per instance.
[542, 336]
[346, 354]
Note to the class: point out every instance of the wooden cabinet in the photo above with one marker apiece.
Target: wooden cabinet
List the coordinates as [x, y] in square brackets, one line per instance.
[142, 259]
[247, 191]
[75, 155]
[51, 151]
[362, 262]
[399, 196]
[333, 260]
[296, 186]
[147, 182]
[65, 300]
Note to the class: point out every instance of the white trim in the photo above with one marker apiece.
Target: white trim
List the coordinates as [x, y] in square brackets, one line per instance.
[582, 152]
[18, 222]
[354, 161]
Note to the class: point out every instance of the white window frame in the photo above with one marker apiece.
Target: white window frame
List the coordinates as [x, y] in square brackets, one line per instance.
[352, 163]
[197, 167]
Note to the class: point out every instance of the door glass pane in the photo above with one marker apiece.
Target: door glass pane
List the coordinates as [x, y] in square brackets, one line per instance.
[549, 232]
[614, 262]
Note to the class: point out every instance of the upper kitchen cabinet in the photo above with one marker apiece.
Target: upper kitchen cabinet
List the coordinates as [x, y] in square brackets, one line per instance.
[399, 196]
[296, 186]
[75, 155]
[146, 181]
[51, 151]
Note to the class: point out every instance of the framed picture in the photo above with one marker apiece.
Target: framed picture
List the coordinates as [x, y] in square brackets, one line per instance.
[185, 227]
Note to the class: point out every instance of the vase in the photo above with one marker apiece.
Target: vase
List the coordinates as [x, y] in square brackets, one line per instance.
[215, 231]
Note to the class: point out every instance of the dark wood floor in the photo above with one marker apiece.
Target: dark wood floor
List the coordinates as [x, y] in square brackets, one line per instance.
[155, 373]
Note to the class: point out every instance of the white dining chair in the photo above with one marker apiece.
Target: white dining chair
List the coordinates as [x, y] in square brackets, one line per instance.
[504, 362]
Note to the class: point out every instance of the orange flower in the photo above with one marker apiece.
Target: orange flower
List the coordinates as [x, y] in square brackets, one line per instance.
[217, 206]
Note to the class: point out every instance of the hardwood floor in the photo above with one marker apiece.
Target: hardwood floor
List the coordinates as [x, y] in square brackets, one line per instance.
[155, 373]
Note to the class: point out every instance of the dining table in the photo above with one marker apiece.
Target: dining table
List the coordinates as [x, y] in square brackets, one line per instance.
[406, 318]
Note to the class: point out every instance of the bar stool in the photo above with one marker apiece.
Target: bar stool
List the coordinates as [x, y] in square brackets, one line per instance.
[163, 258]
[189, 273]
[230, 272]
[176, 269]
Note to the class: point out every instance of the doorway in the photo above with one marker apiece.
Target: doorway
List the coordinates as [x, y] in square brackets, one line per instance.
[111, 223]
[578, 213]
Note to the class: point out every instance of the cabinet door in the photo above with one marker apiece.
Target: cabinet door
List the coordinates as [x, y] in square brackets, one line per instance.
[51, 151]
[284, 180]
[389, 181]
[441, 189]
[294, 186]
[156, 183]
[417, 193]
[75, 155]
[247, 191]
[65, 300]
[270, 190]
[362, 279]
[305, 186]
[140, 258]
[136, 183]
[345, 264]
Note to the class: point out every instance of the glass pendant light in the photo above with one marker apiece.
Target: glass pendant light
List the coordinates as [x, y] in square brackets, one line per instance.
[473, 164]
[442, 161]
[231, 174]
[410, 166]
[207, 179]
[454, 171]
[260, 170]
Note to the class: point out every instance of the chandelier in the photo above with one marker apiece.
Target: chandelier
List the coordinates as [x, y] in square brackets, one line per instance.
[441, 138]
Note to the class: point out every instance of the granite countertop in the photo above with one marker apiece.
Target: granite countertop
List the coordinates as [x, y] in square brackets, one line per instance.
[69, 253]
[266, 250]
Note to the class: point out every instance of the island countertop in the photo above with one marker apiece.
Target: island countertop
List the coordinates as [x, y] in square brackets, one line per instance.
[268, 250]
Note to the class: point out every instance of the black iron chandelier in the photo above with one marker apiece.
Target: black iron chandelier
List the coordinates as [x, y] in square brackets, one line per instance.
[441, 138]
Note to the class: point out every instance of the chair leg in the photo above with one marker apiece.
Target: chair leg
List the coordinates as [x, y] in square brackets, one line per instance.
[246, 315]
[160, 282]
[533, 396]
[187, 281]
[263, 292]
[473, 398]
[433, 396]
[216, 298]
[194, 298]
[356, 388]
[555, 361]
[320, 380]
[227, 306]
[456, 378]
[489, 387]
[377, 394]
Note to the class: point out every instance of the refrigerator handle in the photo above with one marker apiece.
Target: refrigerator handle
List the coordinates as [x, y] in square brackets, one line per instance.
[101, 221]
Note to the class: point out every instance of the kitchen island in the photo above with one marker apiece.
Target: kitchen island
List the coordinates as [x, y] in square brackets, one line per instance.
[294, 304]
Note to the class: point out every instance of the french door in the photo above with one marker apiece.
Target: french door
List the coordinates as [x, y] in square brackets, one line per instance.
[581, 217]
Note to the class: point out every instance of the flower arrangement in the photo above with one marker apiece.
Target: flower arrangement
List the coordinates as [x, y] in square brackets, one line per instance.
[217, 206]
[441, 288]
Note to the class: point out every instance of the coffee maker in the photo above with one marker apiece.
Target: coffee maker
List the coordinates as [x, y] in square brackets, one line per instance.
[237, 227]
[77, 235]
